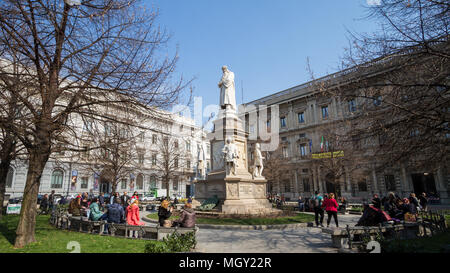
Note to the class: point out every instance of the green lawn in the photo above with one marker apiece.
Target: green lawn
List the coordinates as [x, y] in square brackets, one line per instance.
[52, 240]
[299, 218]
[433, 244]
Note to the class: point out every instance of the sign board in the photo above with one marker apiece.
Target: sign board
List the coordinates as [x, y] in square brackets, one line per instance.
[13, 209]
[328, 155]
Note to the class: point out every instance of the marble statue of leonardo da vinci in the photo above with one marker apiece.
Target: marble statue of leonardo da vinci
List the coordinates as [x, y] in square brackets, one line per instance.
[227, 90]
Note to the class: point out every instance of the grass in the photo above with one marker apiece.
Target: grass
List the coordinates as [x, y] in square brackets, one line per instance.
[433, 244]
[52, 240]
[299, 218]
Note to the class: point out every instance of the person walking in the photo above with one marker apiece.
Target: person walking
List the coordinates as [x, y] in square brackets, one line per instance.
[317, 206]
[331, 206]
[164, 213]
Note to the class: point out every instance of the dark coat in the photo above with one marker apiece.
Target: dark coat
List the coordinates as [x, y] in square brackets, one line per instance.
[115, 213]
[163, 214]
[376, 202]
[187, 218]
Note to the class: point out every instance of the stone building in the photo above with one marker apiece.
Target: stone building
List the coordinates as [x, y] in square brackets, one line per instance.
[303, 113]
[60, 170]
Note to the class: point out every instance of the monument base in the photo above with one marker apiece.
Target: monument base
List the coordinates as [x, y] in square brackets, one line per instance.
[237, 195]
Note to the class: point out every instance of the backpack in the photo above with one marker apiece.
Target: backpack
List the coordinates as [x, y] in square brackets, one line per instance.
[316, 202]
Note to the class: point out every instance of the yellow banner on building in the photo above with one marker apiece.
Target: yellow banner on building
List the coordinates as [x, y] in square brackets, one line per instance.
[328, 155]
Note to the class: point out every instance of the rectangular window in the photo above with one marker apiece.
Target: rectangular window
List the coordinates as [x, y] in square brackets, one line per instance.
[154, 160]
[285, 152]
[141, 158]
[154, 139]
[301, 117]
[351, 106]
[123, 184]
[84, 183]
[302, 135]
[306, 187]
[324, 112]
[175, 184]
[188, 164]
[208, 167]
[283, 122]
[175, 163]
[87, 127]
[389, 181]
[188, 146]
[142, 136]
[303, 149]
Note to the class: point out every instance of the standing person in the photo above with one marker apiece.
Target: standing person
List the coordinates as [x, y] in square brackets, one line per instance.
[135, 195]
[301, 204]
[44, 204]
[376, 201]
[125, 200]
[101, 200]
[51, 200]
[317, 205]
[133, 218]
[331, 206]
[414, 201]
[164, 213]
[423, 201]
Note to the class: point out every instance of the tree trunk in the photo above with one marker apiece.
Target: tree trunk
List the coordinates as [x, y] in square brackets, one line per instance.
[6, 158]
[27, 222]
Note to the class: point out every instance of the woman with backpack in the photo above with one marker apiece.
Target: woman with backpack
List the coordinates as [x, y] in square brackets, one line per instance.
[331, 207]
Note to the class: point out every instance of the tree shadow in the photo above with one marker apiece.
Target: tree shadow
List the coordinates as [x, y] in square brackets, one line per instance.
[8, 229]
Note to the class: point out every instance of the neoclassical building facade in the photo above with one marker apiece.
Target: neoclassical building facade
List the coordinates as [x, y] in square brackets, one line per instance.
[69, 173]
[303, 114]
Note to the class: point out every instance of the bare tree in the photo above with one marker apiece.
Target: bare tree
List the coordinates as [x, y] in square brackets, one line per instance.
[76, 59]
[172, 160]
[275, 168]
[399, 79]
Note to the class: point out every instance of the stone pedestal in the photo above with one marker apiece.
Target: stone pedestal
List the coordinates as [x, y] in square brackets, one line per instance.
[239, 193]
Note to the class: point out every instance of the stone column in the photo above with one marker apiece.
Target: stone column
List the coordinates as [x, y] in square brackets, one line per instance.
[405, 186]
[314, 179]
[347, 178]
[375, 181]
[320, 182]
[296, 186]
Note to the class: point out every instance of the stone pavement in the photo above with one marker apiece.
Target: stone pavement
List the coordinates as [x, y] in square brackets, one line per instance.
[295, 240]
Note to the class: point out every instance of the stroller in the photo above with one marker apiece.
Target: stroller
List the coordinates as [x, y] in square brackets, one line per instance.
[373, 217]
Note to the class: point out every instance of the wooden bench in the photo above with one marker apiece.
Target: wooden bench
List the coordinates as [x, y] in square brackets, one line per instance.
[351, 236]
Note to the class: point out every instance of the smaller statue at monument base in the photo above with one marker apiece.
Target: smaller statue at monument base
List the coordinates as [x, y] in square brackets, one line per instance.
[258, 163]
[231, 155]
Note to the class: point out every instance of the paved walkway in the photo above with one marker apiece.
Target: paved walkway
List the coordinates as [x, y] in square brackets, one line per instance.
[298, 240]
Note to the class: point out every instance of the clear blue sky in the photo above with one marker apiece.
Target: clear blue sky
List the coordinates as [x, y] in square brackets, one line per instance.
[264, 42]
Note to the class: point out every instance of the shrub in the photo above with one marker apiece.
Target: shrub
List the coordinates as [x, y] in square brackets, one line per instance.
[174, 243]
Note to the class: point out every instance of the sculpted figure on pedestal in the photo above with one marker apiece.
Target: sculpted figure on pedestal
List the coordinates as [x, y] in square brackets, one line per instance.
[230, 153]
[227, 90]
[258, 161]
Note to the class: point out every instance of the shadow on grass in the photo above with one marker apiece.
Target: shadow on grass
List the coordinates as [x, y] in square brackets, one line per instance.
[8, 225]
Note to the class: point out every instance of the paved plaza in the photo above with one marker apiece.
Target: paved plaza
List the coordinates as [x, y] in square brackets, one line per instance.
[290, 240]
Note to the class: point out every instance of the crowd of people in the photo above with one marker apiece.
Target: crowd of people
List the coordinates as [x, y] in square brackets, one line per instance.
[395, 207]
[117, 209]
[123, 208]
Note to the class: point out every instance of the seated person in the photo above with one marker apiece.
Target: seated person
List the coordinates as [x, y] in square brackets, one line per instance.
[115, 213]
[75, 207]
[95, 214]
[187, 218]
[164, 213]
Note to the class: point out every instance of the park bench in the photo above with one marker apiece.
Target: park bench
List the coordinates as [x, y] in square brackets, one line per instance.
[351, 236]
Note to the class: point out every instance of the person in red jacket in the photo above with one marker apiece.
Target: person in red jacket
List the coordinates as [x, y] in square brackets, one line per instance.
[133, 218]
[331, 207]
